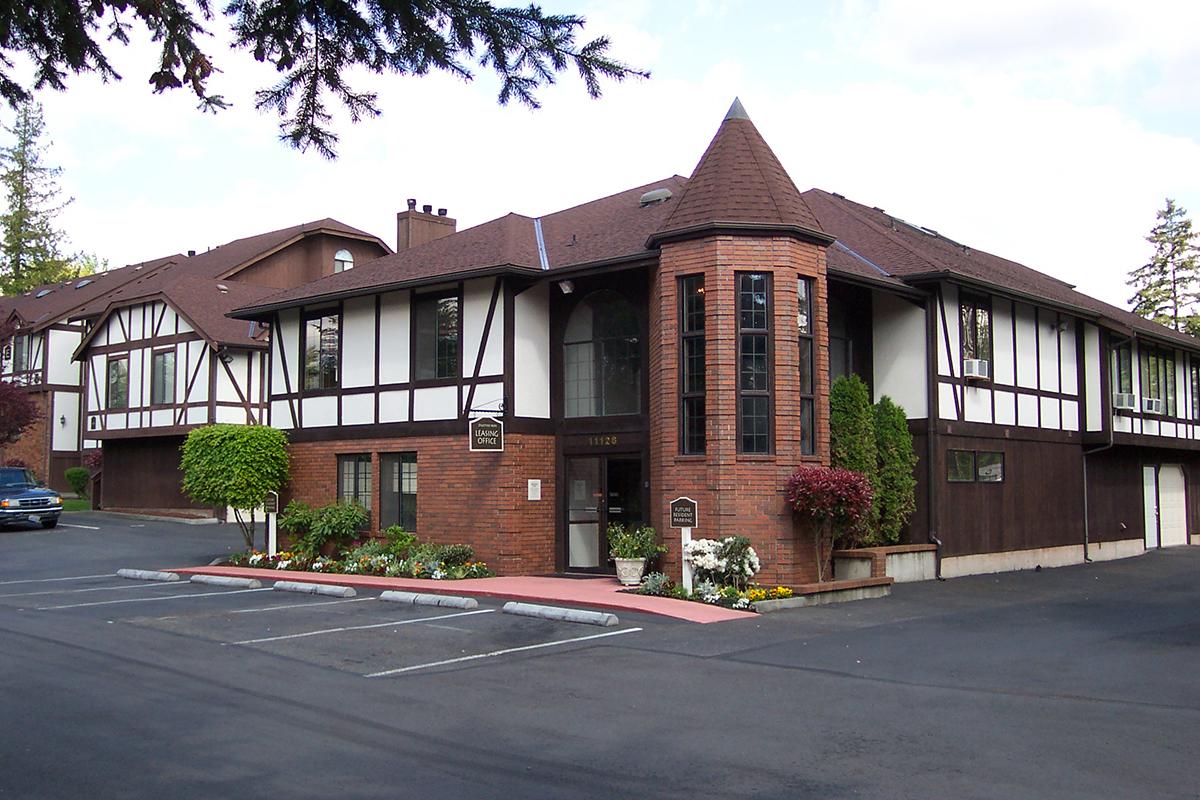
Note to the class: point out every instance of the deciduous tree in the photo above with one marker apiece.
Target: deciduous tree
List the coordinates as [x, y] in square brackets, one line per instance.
[1165, 288]
[235, 466]
[312, 45]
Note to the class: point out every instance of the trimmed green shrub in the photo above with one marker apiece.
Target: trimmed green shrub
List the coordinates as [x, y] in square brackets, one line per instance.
[895, 496]
[448, 555]
[399, 541]
[852, 443]
[235, 466]
[77, 478]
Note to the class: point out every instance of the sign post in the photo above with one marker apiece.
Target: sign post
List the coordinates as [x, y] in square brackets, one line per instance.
[486, 435]
[271, 507]
[685, 515]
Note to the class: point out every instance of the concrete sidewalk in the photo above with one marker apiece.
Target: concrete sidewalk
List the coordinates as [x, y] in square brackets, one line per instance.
[601, 592]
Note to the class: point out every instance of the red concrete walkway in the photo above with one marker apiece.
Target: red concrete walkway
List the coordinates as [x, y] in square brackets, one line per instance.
[591, 592]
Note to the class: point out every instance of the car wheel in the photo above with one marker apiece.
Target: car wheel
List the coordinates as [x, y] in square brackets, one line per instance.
[49, 523]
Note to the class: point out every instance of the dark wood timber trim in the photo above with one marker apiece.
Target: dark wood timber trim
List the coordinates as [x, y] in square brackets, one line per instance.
[156, 341]
[981, 430]
[483, 343]
[941, 302]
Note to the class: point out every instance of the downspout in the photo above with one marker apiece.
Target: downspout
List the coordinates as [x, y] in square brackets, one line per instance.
[931, 428]
[1087, 539]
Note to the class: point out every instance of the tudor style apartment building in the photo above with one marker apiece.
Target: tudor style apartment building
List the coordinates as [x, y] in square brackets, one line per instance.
[675, 339]
[679, 338]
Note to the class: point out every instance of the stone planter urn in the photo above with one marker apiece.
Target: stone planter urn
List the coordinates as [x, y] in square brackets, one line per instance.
[629, 570]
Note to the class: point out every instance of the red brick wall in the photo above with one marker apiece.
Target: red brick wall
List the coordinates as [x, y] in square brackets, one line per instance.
[738, 494]
[478, 499]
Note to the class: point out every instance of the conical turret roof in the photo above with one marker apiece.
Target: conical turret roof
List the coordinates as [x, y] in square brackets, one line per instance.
[740, 184]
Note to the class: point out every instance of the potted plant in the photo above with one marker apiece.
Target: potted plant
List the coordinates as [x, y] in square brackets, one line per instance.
[629, 548]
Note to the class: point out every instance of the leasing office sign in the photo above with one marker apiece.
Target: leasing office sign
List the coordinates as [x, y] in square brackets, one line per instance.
[486, 435]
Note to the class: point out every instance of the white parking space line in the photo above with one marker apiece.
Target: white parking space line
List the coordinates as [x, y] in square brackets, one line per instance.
[151, 599]
[494, 653]
[360, 627]
[85, 527]
[299, 605]
[72, 578]
[96, 589]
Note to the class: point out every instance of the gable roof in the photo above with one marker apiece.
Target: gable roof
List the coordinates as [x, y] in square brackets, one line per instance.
[613, 228]
[915, 254]
[60, 300]
[739, 182]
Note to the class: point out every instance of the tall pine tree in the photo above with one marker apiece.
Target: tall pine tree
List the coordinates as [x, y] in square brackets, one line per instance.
[31, 246]
[1165, 288]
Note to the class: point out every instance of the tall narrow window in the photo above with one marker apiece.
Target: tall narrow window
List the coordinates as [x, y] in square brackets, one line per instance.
[354, 480]
[20, 353]
[1121, 361]
[436, 337]
[976, 328]
[118, 383]
[162, 378]
[804, 327]
[602, 357]
[754, 362]
[1194, 380]
[1158, 380]
[691, 364]
[343, 260]
[322, 345]
[398, 490]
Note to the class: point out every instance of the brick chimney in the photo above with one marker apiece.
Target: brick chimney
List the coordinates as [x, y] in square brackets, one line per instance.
[415, 228]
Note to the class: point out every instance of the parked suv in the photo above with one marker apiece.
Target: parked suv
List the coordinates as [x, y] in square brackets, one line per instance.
[23, 498]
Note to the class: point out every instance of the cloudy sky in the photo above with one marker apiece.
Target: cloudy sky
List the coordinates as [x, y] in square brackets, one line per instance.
[1047, 131]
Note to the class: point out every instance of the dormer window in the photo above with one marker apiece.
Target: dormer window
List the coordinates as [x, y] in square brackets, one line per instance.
[342, 261]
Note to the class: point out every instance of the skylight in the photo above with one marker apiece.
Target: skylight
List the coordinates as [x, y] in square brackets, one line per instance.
[43, 293]
[84, 283]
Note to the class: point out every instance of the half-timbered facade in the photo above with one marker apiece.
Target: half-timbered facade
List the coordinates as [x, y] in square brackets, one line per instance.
[38, 357]
[1063, 429]
[161, 357]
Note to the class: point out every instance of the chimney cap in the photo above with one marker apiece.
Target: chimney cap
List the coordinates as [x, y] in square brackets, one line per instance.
[412, 204]
[442, 212]
[428, 209]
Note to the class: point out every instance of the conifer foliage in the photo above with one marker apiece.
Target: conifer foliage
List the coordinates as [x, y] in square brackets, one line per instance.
[1167, 287]
[852, 442]
[312, 45]
[895, 497]
[30, 243]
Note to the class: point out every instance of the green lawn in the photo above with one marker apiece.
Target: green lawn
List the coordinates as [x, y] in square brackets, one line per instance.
[79, 504]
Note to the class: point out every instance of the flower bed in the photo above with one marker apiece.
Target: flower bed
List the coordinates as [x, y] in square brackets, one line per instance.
[385, 565]
[659, 585]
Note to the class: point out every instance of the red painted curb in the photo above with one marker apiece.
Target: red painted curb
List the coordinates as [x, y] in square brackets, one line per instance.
[595, 593]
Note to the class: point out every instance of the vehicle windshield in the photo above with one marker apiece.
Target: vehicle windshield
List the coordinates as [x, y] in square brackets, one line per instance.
[16, 478]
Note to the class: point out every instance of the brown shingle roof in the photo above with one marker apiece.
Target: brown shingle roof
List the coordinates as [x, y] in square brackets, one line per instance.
[911, 252]
[67, 297]
[739, 181]
[613, 227]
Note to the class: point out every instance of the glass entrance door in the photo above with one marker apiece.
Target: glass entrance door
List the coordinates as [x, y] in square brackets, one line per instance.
[600, 490]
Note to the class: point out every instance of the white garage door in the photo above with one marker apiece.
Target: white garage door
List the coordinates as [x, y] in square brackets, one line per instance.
[1172, 506]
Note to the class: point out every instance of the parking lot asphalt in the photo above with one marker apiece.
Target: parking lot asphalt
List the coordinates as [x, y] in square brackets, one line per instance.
[1076, 682]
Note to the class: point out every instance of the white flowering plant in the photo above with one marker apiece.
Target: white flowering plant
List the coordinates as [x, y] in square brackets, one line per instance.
[722, 562]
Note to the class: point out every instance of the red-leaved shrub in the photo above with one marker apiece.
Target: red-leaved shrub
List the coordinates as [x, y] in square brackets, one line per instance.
[833, 498]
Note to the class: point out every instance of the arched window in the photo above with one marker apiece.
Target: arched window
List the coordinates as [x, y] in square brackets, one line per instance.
[602, 363]
[342, 261]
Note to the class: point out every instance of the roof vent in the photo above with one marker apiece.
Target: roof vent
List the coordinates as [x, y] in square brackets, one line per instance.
[43, 293]
[222, 288]
[655, 196]
[84, 283]
[191, 253]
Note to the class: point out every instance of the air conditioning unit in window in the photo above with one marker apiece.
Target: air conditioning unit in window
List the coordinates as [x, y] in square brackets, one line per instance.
[1124, 401]
[977, 369]
[1152, 405]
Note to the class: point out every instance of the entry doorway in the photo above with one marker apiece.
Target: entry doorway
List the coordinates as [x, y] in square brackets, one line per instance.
[1165, 494]
[600, 490]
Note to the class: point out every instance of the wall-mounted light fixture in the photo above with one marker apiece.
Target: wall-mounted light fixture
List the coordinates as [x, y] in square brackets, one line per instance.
[566, 286]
